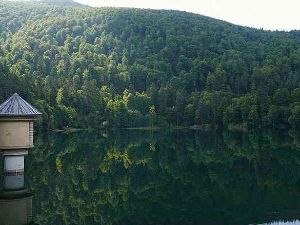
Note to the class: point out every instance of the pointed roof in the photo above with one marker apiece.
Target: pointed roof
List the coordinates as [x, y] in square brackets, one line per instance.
[16, 106]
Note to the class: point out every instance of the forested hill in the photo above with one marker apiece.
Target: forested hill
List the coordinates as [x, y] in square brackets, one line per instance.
[110, 67]
[61, 2]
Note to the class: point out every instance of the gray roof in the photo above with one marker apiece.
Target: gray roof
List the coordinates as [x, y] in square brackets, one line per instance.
[17, 106]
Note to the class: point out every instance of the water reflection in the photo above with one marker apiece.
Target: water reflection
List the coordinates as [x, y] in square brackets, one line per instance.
[15, 198]
[296, 222]
[14, 181]
[178, 177]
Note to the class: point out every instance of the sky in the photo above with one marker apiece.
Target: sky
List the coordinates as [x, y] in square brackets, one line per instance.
[266, 14]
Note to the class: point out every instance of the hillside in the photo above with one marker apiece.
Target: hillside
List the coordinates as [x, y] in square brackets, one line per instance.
[61, 2]
[110, 67]
[66, 3]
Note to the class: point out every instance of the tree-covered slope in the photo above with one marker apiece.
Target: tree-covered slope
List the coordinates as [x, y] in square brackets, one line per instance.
[61, 2]
[115, 67]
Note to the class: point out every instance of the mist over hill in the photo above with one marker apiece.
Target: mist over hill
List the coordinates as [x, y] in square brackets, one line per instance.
[116, 67]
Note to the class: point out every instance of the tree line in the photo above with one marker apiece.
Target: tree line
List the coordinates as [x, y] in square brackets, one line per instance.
[111, 67]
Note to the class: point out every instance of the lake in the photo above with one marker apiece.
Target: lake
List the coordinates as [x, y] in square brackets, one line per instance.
[163, 177]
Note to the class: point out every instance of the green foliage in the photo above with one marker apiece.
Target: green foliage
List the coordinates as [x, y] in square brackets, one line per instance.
[95, 68]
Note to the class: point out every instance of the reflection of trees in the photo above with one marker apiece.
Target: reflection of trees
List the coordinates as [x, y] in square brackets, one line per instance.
[178, 177]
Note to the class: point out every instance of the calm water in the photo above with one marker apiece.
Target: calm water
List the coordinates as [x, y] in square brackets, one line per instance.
[170, 178]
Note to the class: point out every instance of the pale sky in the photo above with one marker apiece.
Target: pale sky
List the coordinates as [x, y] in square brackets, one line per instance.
[267, 14]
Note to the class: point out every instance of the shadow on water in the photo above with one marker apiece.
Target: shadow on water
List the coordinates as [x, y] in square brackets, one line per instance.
[178, 177]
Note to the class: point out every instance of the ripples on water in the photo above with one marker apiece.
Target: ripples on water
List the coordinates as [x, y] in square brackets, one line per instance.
[296, 222]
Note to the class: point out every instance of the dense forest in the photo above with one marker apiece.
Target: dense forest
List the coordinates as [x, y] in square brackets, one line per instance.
[118, 67]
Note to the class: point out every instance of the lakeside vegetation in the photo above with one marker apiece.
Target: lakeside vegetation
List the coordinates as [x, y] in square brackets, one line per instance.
[120, 68]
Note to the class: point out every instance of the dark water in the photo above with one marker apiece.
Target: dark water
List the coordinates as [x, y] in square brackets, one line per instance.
[170, 178]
